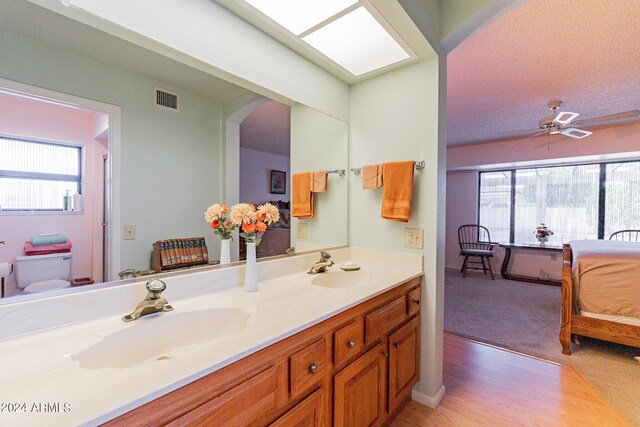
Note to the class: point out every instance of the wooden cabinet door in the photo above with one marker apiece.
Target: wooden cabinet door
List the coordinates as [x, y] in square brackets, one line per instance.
[240, 406]
[308, 413]
[404, 362]
[359, 390]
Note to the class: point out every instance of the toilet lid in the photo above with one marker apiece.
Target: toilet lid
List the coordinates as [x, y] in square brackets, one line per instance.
[47, 285]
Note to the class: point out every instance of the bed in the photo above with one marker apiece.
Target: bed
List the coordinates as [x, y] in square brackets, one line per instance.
[600, 292]
[277, 239]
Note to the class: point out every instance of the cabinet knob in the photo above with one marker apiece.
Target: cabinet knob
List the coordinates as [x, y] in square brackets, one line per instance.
[416, 301]
[351, 343]
[396, 344]
[385, 353]
[313, 368]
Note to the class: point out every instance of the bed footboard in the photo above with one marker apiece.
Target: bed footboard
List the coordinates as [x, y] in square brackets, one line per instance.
[567, 300]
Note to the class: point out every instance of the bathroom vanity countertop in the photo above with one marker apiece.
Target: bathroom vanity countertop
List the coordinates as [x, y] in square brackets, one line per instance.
[45, 385]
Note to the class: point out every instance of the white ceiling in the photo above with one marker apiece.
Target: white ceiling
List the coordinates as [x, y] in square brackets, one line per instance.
[267, 129]
[583, 52]
[389, 14]
[35, 22]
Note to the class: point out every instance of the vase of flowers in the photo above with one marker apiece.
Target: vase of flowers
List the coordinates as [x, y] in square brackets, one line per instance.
[542, 234]
[253, 223]
[215, 215]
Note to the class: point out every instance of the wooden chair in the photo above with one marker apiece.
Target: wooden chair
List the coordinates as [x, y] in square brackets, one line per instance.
[626, 236]
[475, 241]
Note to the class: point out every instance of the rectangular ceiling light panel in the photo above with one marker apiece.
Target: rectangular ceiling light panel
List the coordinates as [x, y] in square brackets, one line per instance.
[357, 42]
[298, 16]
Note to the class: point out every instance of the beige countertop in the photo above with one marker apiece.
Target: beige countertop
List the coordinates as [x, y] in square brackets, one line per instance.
[42, 367]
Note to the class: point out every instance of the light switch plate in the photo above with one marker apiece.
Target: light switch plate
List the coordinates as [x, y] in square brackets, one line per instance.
[129, 232]
[413, 238]
[303, 230]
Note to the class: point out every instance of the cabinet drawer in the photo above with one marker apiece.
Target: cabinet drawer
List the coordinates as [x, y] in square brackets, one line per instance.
[242, 405]
[348, 341]
[308, 413]
[413, 302]
[308, 366]
[385, 319]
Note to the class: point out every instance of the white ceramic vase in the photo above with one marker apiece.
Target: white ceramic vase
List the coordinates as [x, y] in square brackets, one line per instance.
[251, 269]
[225, 251]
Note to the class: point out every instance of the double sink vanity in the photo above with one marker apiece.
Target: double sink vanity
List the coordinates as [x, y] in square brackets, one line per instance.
[337, 347]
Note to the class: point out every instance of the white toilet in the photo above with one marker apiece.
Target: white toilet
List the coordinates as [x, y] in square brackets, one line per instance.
[43, 273]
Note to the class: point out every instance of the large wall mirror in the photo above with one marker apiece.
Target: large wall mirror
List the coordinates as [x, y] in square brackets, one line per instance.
[107, 148]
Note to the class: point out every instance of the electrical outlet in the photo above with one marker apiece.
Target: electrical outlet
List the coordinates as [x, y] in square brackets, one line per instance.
[303, 230]
[413, 238]
[129, 232]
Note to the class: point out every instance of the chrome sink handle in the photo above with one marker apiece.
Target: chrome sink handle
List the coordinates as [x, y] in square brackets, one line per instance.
[155, 288]
[322, 265]
[153, 303]
[324, 256]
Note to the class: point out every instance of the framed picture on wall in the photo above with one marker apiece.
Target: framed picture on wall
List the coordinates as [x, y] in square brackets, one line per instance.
[278, 182]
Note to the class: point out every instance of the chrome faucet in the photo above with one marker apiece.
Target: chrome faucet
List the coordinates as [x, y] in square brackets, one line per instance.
[153, 303]
[322, 265]
[129, 273]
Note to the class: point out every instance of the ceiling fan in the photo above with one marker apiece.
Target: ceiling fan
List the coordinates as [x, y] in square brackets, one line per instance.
[565, 123]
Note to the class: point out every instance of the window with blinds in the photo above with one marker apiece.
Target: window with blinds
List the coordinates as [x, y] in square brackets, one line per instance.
[576, 202]
[495, 204]
[35, 176]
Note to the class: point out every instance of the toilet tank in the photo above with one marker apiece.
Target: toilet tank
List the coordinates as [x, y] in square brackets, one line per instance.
[36, 268]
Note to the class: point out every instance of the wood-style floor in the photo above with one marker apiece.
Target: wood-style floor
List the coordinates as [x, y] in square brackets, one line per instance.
[489, 386]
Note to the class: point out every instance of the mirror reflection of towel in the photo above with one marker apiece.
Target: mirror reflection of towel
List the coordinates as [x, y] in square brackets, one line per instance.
[302, 205]
[319, 182]
[397, 191]
[371, 177]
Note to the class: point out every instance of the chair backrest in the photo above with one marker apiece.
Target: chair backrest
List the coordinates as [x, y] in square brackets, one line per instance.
[626, 236]
[474, 236]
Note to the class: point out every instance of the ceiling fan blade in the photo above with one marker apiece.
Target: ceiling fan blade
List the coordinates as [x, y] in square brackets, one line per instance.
[530, 136]
[575, 133]
[610, 118]
[517, 132]
[537, 134]
[565, 117]
[618, 116]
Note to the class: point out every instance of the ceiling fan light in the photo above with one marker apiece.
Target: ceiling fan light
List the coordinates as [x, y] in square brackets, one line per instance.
[576, 133]
[565, 117]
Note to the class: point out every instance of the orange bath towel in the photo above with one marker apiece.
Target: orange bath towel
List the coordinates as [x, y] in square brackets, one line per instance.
[319, 182]
[371, 177]
[301, 196]
[397, 190]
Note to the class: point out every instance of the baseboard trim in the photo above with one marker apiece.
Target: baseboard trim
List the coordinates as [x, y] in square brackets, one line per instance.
[431, 402]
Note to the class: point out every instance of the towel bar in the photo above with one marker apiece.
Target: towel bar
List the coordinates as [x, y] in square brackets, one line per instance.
[418, 164]
[340, 172]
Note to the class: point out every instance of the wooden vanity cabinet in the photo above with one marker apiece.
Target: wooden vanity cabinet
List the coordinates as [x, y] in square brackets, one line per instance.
[404, 362]
[308, 413]
[354, 369]
[359, 391]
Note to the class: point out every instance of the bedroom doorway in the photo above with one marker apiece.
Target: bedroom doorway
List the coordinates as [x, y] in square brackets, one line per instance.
[264, 171]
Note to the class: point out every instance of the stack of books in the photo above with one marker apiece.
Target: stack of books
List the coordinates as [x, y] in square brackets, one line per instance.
[176, 253]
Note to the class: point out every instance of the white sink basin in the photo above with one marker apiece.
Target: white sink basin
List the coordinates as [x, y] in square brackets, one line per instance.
[342, 279]
[161, 337]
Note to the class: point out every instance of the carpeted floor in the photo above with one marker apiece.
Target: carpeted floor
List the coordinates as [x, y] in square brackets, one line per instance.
[525, 317]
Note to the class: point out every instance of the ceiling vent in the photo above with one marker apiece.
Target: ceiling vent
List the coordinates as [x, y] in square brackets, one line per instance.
[167, 100]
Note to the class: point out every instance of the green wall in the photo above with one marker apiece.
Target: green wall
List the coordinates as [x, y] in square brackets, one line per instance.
[170, 162]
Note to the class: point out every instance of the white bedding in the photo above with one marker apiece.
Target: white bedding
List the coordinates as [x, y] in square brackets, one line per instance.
[619, 319]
